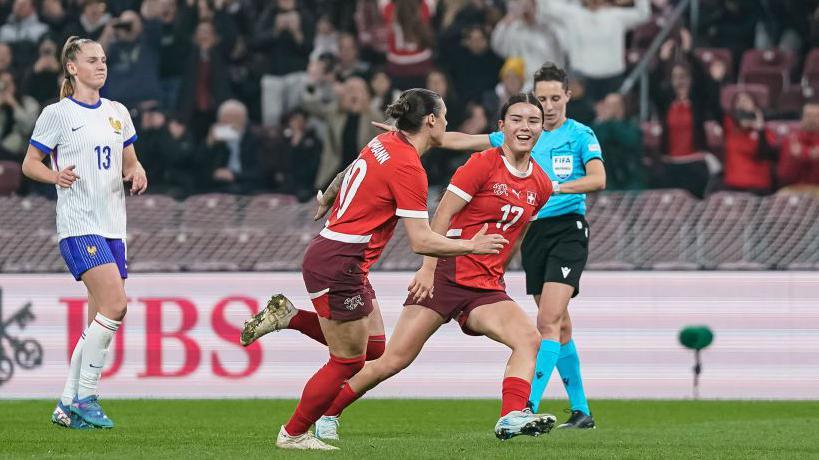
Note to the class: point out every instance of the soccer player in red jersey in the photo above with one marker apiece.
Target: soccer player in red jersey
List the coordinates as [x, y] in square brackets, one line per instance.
[503, 188]
[384, 183]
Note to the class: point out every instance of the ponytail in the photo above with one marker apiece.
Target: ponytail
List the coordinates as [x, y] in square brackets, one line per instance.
[67, 88]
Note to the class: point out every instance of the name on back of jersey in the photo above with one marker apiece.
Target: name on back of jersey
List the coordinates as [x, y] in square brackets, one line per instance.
[379, 152]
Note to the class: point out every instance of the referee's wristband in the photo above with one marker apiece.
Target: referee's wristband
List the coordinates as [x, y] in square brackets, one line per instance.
[555, 188]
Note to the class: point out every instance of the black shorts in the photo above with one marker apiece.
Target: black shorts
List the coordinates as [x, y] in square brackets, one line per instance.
[555, 250]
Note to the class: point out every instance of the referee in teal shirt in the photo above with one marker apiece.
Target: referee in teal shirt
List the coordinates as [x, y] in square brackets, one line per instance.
[555, 248]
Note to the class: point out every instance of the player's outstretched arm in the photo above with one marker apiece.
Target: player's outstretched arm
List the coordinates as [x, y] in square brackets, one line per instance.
[453, 140]
[34, 169]
[133, 172]
[426, 242]
[422, 283]
[593, 181]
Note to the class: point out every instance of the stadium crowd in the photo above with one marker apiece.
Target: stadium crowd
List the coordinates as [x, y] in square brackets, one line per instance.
[248, 96]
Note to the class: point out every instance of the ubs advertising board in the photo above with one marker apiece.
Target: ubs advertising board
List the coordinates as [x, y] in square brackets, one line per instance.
[180, 338]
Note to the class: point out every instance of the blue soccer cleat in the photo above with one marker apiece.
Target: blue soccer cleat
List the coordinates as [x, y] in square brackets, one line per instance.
[62, 416]
[89, 410]
[520, 422]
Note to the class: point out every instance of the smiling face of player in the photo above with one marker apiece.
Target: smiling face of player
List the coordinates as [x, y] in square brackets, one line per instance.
[553, 97]
[521, 127]
[89, 67]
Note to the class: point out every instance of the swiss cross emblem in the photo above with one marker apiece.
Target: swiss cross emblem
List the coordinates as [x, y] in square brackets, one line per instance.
[531, 198]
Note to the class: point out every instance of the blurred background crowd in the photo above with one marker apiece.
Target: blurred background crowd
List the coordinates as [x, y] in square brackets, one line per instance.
[252, 96]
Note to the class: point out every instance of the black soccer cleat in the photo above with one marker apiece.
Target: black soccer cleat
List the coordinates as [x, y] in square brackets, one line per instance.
[579, 421]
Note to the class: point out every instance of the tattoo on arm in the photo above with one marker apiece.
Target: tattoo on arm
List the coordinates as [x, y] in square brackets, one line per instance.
[332, 189]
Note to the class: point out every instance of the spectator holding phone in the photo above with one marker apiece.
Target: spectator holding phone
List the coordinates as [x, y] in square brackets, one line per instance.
[749, 157]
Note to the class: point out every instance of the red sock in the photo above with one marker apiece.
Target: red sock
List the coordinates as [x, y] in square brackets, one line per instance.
[320, 391]
[307, 323]
[375, 346]
[515, 394]
[346, 397]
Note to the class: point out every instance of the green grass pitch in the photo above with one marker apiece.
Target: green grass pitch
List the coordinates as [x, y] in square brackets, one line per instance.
[434, 429]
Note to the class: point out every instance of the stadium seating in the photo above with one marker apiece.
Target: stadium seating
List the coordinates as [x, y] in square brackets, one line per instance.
[10, 177]
[649, 230]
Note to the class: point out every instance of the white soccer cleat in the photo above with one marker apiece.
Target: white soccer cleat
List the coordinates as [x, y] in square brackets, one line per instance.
[520, 422]
[327, 427]
[273, 317]
[306, 441]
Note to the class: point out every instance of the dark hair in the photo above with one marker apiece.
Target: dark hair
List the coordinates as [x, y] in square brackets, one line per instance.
[527, 98]
[550, 71]
[412, 106]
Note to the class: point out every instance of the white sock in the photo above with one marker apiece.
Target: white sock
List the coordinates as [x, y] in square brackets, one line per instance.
[70, 388]
[97, 339]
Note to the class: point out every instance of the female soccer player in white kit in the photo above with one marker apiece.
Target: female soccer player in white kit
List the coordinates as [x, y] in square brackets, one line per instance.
[90, 141]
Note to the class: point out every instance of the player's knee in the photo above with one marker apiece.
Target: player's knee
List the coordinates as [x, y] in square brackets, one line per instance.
[529, 341]
[549, 322]
[548, 329]
[114, 306]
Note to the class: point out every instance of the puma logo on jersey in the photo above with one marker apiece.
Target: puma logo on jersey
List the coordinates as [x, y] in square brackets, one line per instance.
[566, 271]
[517, 194]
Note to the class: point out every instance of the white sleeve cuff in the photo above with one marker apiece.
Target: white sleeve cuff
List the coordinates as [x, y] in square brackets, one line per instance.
[465, 196]
[413, 214]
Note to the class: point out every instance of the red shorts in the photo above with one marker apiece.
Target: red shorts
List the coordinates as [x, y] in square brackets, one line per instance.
[338, 286]
[453, 300]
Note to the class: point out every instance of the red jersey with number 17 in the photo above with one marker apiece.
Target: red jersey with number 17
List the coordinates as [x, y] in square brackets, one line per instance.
[385, 182]
[498, 195]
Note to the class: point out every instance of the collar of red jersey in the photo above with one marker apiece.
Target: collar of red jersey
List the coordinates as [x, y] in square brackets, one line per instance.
[515, 172]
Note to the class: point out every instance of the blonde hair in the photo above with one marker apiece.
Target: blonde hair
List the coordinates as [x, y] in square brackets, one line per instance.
[70, 49]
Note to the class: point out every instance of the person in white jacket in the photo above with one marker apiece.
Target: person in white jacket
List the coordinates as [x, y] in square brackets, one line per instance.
[521, 34]
[594, 34]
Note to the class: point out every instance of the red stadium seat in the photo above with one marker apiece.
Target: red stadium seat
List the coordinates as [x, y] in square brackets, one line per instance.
[723, 229]
[10, 177]
[152, 212]
[774, 59]
[662, 230]
[209, 211]
[791, 100]
[773, 79]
